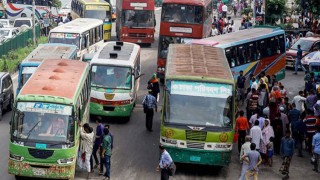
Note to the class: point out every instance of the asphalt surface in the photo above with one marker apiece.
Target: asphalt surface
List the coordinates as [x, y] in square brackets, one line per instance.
[135, 154]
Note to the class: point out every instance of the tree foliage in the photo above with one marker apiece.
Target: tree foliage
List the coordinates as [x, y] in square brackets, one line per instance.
[275, 10]
[57, 3]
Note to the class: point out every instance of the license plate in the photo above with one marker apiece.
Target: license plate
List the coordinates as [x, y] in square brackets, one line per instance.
[195, 158]
[139, 41]
[38, 171]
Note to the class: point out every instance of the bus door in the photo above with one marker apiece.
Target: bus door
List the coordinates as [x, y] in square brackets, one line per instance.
[137, 74]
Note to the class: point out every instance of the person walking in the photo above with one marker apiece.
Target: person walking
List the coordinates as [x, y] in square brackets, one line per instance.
[97, 145]
[254, 160]
[299, 100]
[256, 134]
[267, 133]
[87, 137]
[153, 84]
[242, 127]
[241, 80]
[106, 152]
[311, 122]
[165, 163]
[298, 60]
[316, 149]
[245, 148]
[278, 132]
[286, 151]
[149, 104]
[252, 106]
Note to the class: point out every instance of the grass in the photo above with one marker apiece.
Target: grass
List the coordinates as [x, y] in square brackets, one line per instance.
[10, 62]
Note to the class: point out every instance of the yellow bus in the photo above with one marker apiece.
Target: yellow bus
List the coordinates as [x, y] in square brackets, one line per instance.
[98, 9]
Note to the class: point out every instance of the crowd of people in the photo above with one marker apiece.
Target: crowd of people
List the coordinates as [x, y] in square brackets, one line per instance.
[226, 25]
[275, 125]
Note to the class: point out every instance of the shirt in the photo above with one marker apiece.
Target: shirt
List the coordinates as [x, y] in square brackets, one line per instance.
[165, 160]
[242, 123]
[150, 101]
[99, 132]
[253, 119]
[245, 148]
[287, 146]
[224, 8]
[311, 100]
[253, 157]
[86, 141]
[240, 81]
[316, 143]
[256, 135]
[261, 122]
[299, 54]
[285, 122]
[106, 144]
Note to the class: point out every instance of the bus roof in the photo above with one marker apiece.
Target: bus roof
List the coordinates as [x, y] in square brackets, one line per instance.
[243, 35]
[197, 60]
[126, 54]
[52, 51]
[100, 2]
[78, 25]
[58, 78]
[188, 2]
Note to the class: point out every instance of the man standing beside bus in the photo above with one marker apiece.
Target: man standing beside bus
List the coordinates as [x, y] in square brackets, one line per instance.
[298, 60]
[149, 103]
[165, 163]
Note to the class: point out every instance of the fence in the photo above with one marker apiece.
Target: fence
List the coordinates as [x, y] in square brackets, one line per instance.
[20, 40]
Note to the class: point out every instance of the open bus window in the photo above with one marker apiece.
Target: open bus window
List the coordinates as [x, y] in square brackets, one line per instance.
[114, 77]
[138, 18]
[231, 54]
[43, 122]
[242, 57]
[252, 53]
[210, 109]
[178, 13]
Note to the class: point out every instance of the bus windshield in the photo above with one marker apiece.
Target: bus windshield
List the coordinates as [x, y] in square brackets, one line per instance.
[138, 18]
[65, 38]
[43, 122]
[113, 77]
[305, 45]
[97, 14]
[179, 13]
[166, 40]
[26, 73]
[200, 104]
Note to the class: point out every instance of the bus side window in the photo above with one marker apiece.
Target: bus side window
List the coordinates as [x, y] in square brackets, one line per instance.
[242, 55]
[251, 52]
[282, 43]
[270, 46]
[262, 51]
[231, 56]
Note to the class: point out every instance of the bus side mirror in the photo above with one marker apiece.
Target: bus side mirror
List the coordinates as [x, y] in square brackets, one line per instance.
[138, 76]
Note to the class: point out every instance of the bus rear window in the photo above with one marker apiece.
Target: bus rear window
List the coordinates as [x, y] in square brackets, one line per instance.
[178, 13]
[65, 38]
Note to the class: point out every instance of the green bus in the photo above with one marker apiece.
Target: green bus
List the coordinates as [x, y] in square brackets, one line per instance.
[198, 115]
[44, 133]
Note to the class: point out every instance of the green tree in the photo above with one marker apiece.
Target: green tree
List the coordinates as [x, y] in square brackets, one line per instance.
[57, 3]
[275, 10]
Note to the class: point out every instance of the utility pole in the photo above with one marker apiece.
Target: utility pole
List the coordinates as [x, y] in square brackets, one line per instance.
[34, 21]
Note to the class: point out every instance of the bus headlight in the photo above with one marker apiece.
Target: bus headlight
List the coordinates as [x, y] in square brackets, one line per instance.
[16, 157]
[168, 141]
[124, 35]
[65, 161]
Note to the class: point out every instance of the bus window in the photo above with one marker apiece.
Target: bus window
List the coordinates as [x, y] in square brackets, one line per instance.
[182, 13]
[84, 41]
[231, 54]
[242, 57]
[251, 52]
[282, 43]
[270, 44]
[262, 49]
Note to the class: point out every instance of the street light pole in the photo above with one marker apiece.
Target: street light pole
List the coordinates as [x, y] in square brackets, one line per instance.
[34, 21]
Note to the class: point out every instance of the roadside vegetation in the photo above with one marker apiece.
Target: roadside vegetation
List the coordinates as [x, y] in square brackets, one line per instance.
[10, 62]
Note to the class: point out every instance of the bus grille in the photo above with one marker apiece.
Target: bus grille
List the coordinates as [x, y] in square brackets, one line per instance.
[196, 135]
[39, 153]
[195, 145]
[137, 35]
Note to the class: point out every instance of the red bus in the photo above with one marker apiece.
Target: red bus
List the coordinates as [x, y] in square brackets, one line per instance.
[181, 21]
[136, 21]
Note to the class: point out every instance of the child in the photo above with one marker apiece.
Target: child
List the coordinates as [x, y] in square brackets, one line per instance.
[270, 151]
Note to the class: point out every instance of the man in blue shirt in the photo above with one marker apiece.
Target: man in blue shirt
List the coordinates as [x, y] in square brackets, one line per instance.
[164, 164]
[316, 149]
[149, 104]
[298, 60]
[286, 151]
[253, 159]
[97, 145]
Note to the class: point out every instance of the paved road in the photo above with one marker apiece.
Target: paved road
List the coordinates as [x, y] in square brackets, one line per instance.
[135, 154]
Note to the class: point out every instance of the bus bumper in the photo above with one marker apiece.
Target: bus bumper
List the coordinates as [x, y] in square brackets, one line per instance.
[116, 111]
[197, 156]
[30, 169]
[138, 40]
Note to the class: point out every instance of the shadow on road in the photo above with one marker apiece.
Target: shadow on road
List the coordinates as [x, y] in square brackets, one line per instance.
[198, 170]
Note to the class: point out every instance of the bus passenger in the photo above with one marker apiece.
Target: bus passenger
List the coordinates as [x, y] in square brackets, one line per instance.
[57, 127]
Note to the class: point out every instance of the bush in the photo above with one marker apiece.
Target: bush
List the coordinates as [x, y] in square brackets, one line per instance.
[11, 61]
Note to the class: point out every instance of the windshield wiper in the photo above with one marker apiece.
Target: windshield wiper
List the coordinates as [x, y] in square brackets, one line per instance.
[29, 133]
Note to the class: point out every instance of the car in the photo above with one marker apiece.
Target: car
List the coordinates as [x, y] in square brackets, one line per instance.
[23, 21]
[8, 32]
[308, 44]
[6, 93]
[5, 23]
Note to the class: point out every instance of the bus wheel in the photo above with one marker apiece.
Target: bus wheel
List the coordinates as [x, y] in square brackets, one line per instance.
[126, 119]
[18, 177]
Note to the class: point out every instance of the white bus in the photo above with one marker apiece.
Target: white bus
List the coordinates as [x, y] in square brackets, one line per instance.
[23, 8]
[85, 33]
[115, 78]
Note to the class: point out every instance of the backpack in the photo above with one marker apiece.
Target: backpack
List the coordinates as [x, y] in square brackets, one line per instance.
[172, 169]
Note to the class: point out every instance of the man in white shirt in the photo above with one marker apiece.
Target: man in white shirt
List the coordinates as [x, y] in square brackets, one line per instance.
[254, 83]
[215, 31]
[298, 100]
[224, 10]
[256, 134]
[245, 148]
